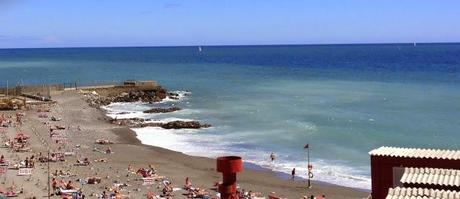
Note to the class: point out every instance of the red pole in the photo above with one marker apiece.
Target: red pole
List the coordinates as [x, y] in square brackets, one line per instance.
[229, 166]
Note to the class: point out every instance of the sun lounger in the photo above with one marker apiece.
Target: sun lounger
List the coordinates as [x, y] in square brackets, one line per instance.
[6, 145]
[58, 127]
[81, 164]
[11, 194]
[6, 163]
[55, 118]
[27, 149]
[24, 172]
[69, 153]
[67, 176]
[67, 191]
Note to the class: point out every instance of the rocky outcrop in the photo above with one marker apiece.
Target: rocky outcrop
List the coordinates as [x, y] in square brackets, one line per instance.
[184, 125]
[139, 122]
[162, 110]
[96, 100]
[104, 96]
[136, 96]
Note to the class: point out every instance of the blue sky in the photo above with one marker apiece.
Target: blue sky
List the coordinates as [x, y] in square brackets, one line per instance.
[78, 23]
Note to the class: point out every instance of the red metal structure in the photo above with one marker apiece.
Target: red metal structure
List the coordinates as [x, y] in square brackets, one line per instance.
[384, 162]
[229, 166]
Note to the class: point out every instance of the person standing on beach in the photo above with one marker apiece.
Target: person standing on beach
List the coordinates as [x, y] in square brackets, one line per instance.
[272, 156]
[293, 173]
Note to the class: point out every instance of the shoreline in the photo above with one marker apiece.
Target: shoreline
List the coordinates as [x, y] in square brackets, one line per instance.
[247, 165]
[128, 134]
[85, 124]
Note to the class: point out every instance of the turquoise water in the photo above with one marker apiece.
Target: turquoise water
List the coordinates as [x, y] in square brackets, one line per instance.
[343, 100]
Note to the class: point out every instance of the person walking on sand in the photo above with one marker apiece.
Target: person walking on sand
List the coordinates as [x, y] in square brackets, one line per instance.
[293, 173]
[272, 156]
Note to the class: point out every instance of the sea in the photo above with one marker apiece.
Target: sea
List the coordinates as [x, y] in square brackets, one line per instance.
[342, 100]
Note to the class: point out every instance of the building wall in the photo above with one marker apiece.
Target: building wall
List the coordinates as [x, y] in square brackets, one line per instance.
[382, 170]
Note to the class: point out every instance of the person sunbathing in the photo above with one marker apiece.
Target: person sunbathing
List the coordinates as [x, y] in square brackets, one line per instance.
[53, 158]
[27, 162]
[69, 185]
[85, 162]
[104, 195]
[108, 150]
[101, 141]
[144, 172]
[31, 163]
[101, 160]
[151, 170]
[188, 183]
[94, 180]
[150, 195]
[167, 191]
[54, 185]
[200, 193]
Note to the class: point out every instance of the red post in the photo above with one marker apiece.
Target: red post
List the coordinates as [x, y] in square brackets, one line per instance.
[229, 166]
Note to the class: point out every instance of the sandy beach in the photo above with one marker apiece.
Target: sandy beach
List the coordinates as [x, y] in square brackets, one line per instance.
[85, 124]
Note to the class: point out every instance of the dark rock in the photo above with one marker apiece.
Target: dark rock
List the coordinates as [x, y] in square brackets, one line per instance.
[162, 110]
[123, 113]
[139, 122]
[184, 125]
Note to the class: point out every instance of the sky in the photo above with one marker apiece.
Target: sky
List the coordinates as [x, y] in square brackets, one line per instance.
[94, 23]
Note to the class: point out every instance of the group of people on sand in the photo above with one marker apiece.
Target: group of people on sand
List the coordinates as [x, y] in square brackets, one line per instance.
[29, 162]
[194, 192]
[19, 143]
[6, 121]
[61, 173]
[145, 172]
[84, 162]
[60, 185]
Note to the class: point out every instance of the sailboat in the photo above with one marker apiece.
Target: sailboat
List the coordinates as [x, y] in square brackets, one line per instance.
[415, 44]
[199, 49]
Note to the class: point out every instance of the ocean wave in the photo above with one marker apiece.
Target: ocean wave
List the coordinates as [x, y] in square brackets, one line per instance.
[181, 95]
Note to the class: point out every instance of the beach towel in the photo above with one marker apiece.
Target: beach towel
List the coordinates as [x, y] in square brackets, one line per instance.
[67, 191]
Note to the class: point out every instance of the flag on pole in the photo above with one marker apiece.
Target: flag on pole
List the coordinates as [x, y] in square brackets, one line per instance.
[306, 146]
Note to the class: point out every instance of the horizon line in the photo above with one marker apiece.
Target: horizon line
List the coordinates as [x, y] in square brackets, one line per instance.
[234, 45]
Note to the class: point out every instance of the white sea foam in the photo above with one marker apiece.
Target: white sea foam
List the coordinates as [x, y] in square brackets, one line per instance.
[181, 95]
